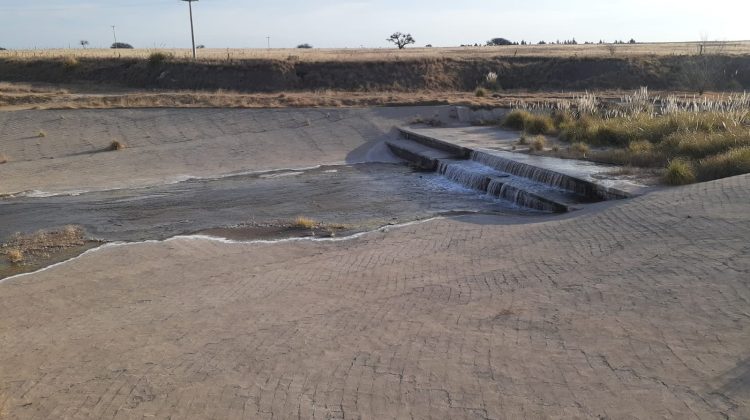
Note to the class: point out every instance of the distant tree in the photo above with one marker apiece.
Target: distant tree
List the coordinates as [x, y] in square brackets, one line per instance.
[401, 40]
[2, 49]
[304, 46]
[496, 42]
[632, 41]
[200, 47]
[121, 45]
[542, 43]
[428, 46]
[84, 43]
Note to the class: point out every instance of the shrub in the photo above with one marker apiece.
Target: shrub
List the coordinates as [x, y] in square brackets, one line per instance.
[304, 46]
[495, 42]
[539, 143]
[480, 92]
[121, 45]
[42, 133]
[523, 140]
[157, 58]
[730, 163]
[679, 172]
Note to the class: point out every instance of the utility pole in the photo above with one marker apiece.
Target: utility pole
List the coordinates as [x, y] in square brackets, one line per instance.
[268, 38]
[192, 32]
[114, 34]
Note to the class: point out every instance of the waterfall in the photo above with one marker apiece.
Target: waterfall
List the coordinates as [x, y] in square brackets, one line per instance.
[544, 176]
[522, 198]
[459, 172]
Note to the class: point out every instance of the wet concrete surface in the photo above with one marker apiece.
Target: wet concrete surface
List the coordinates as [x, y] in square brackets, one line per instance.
[362, 197]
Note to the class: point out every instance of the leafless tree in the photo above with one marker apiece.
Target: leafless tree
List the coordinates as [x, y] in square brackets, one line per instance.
[401, 40]
[84, 43]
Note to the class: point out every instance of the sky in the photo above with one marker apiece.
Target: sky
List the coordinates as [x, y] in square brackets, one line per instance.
[26, 24]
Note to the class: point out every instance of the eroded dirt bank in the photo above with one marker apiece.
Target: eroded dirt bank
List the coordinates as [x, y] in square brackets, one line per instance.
[682, 72]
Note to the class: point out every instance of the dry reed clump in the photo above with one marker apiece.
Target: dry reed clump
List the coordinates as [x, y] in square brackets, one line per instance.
[41, 133]
[698, 139]
[305, 223]
[42, 243]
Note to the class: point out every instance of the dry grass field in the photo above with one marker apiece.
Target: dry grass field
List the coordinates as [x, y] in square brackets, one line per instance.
[380, 54]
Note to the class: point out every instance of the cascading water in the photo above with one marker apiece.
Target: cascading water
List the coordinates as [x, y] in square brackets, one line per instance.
[534, 173]
[522, 198]
[464, 173]
[480, 177]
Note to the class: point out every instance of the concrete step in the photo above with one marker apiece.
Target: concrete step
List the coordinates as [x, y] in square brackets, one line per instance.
[419, 154]
[555, 172]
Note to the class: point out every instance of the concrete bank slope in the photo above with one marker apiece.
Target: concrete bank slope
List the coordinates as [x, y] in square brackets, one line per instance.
[65, 151]
[636, 311]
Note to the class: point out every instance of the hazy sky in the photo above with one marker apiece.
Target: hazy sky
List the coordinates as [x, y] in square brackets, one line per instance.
[337, 23]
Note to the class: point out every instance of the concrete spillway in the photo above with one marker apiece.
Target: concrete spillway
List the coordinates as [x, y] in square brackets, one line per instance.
[524, 180]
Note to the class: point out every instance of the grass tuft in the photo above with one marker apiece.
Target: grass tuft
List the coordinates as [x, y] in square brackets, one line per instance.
[116, 145]
[41, 133]
[3, 158]
[531, 123]
[538, 143]
[730, 163]
[70, 63]
[581, 149]
[481, 92]
[305, 222]
[15, 256]
[679, 172]
[157, 58]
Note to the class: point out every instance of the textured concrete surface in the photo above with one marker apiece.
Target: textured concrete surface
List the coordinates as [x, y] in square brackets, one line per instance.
[636, 311]
[169, 145]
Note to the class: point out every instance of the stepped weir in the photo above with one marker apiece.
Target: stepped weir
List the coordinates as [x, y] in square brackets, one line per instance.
[505, 175]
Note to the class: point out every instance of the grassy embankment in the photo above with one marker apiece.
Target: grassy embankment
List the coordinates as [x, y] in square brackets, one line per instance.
[693, 141]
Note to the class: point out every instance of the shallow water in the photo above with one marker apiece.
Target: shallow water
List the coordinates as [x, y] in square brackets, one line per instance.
[363, 196]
